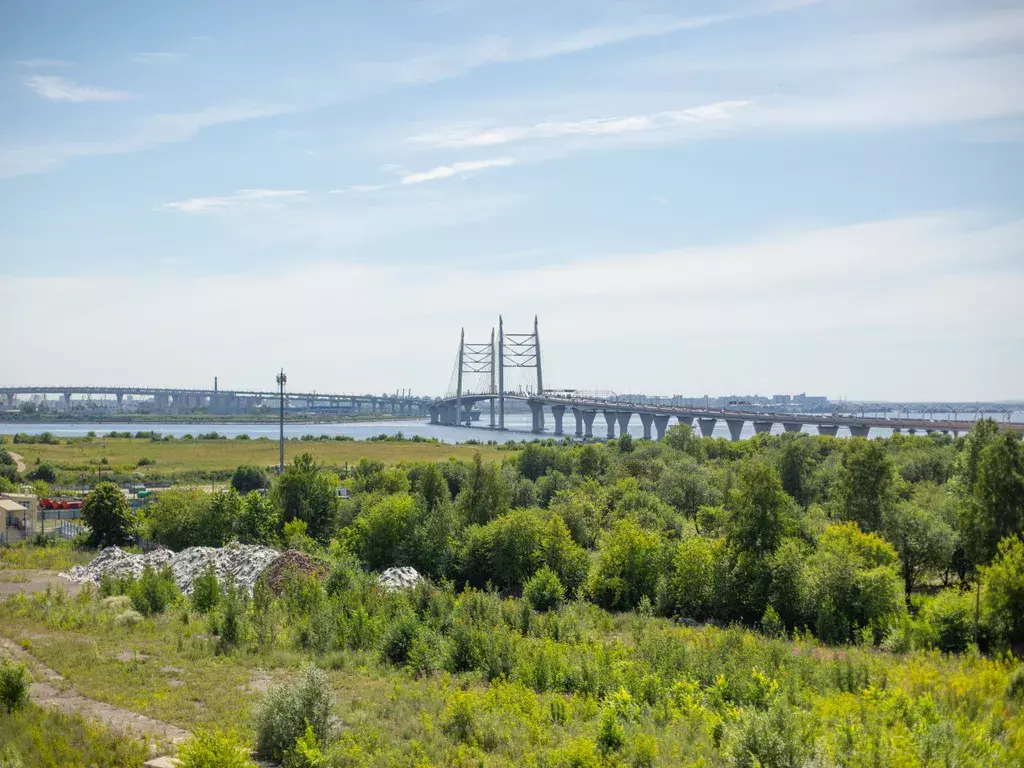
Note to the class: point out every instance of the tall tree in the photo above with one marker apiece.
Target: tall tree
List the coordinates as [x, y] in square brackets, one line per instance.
[307, 492]
[108, 514]
[997, 507]
[865, 484]
[924, 541]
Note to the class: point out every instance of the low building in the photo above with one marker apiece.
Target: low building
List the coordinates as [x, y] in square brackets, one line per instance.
[16, 520]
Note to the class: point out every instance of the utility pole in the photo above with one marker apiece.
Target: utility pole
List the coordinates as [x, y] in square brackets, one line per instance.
[281, 381]
[501, 373]
[458, 389]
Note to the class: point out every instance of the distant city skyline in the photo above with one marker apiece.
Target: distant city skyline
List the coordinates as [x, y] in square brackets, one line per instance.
[753, 196]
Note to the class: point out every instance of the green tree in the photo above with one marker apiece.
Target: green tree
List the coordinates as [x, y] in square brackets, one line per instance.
[688, 486]
[507, 551]
[865, 488]
[967, 461]
[997, 509]
[486, 495]
[591, 460]
[384, 528]
[681, 438]
[584, 509]
[45, 472]
[306, 492]
[796, 467]
[259, 520]
[924, 541]
[176, 518]
[761, 512]
[248, 478]
[1002, 592]
[108, 514]
[435, 541]
[628, 566]
[689, 588]
[432, 486]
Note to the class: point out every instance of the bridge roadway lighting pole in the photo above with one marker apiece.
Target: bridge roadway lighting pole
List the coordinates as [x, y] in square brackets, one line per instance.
[501, 373]
[281, 381]
[458, 388]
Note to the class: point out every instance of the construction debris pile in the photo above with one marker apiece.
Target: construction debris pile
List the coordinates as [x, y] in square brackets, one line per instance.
[293, 561]
[400, 578]
[240, 563]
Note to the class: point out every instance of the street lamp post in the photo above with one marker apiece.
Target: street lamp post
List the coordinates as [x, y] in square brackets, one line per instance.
[281, 381]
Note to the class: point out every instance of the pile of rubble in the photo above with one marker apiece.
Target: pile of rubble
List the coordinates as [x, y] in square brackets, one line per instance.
[240, 563]
[400, 578]
[293, 561]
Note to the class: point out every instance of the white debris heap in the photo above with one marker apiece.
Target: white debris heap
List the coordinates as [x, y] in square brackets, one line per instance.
[399, 578]
[240, 563]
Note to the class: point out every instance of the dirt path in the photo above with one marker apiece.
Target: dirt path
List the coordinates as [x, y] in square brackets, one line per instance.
[19, 461]
[14, 581]
[52, 692]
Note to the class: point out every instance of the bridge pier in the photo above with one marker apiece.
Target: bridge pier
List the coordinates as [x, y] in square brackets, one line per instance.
[10, 400]
[588, 423]
[792, 426]
[647, 419]
[537, 409]
[762, 426]
[67, 401]
[578, 414]
[735, 428]
[623, 418]
[828, 429]
[120, 398]
[707, 426]
[433, 414]
[557, 412]
[687, 420]
[661, 424]
[859, 430]
[609, 418]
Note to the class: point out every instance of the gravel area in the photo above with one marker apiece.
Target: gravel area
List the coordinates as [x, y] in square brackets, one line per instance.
[240, 563]
[400, 578]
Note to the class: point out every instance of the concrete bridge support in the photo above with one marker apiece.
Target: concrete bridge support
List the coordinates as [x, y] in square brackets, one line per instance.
[558, 412]
[10, 400]
[859, 430]
[762, 426]
[609, 419]
[661, 424]
[623, 419]
[687, 420]
[735, 428]
[120, 399]
[707, 426]
[537, 409]
[828, 429]
[576, 412]
[67, 401]
[588, 423]
[792, 426]
[647, 419]
[434, 414]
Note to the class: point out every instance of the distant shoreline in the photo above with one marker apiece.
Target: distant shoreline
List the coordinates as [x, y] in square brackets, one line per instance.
[154, 418]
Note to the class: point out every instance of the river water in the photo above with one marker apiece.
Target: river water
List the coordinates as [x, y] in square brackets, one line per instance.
[517, 428]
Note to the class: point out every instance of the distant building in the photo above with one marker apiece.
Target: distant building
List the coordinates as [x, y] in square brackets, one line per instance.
[782, 399]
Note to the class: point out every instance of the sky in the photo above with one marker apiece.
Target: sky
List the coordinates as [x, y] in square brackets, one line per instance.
[708, 197]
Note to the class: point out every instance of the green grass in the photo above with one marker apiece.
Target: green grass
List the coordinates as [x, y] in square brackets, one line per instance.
[58, 557]
[46, 739]
[181, 456]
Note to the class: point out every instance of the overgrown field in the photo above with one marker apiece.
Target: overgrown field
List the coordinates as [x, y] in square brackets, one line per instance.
[76, 458]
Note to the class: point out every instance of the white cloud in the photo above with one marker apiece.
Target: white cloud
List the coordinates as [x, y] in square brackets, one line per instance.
[243, 198]
[447, 171]
[358, 188]
[44, 63]
[462, 137]
[761, 302]
[151, 132]
[62, 89]
[156, 57]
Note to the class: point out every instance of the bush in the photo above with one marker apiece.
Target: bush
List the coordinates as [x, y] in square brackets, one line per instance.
[628, 566]
[248, 478]
[949, 620]
[611, 736]
[213, 749]
[1015, 685]
[1002, 592]
[14, 681]
[287, 711]
[206, 592]
[544, 591]
[306, 753]
[44, 472]
[399, 637]
[153, 591]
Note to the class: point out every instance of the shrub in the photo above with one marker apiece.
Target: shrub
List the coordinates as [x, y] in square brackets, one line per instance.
[213, 749]
[611, 736]
[689, 587]
[1002, 592]
[128, 618]
[544, 591]
[153, 591]
[399, 637]
[1015, 685]
[248, 478]
[145, 461]
[44, 472]
[14, 681]
[289, 709]
[306, 753]
[645, 751]
[206, 592]
[949, 620]
[628, 567]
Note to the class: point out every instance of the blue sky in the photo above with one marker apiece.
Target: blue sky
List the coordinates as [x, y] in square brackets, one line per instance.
[752, 196]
